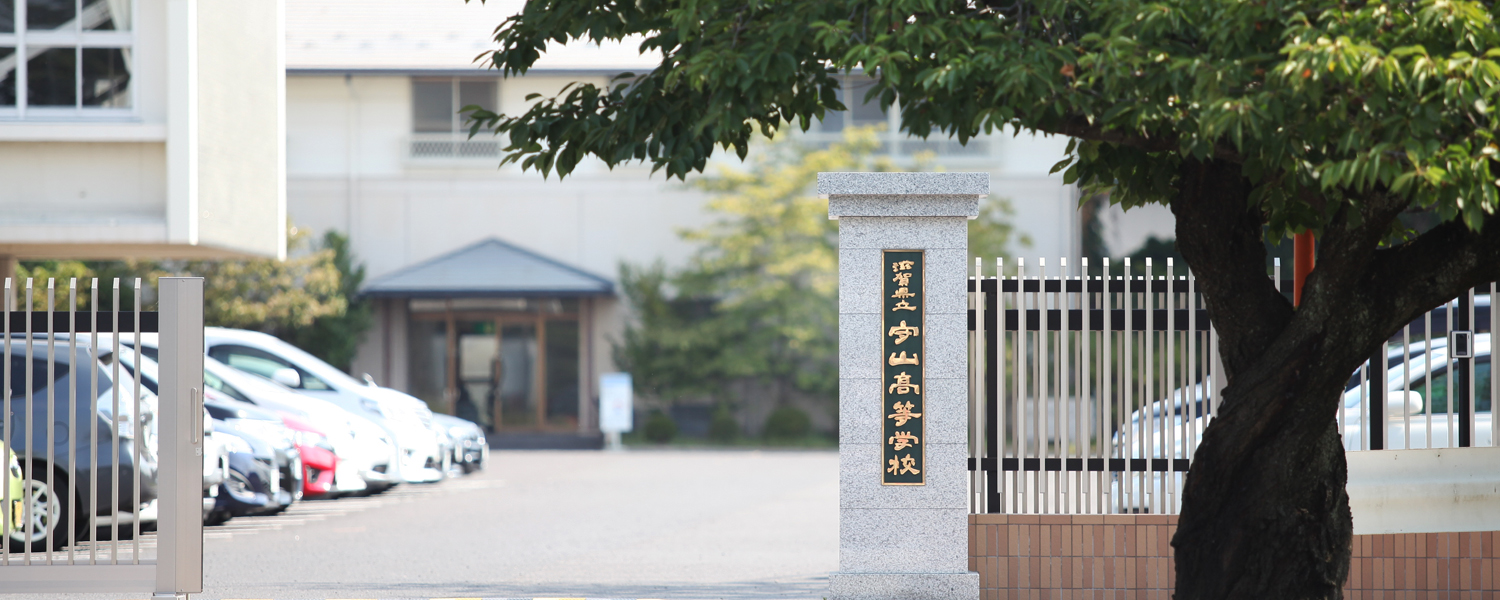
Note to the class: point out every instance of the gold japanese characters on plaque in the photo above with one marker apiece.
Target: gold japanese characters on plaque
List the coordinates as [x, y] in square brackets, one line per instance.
[901, 365]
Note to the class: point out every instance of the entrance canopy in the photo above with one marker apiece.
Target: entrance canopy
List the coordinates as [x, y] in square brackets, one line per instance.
[496, 334]
[489, 268]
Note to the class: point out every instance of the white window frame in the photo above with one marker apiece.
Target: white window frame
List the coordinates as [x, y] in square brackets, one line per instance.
[455, 120]
[429, 147]
[897, 144]
[24, 42]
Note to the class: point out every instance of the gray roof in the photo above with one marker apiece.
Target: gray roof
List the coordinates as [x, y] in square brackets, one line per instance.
[489, 268]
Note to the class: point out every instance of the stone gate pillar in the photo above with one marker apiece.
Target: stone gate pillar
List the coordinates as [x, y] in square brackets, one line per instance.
[903, 383]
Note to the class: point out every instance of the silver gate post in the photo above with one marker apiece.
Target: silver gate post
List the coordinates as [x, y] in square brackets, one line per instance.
[179, 563]
[903, 542]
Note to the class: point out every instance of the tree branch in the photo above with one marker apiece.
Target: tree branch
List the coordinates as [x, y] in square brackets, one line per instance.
[1081, 128]
[1219, 233]
[1412, 278]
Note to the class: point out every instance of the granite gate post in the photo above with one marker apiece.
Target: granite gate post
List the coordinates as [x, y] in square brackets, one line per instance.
[903, 383]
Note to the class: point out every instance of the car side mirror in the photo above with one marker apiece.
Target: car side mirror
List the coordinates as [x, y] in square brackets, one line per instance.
[287, 377]
[1397, 406]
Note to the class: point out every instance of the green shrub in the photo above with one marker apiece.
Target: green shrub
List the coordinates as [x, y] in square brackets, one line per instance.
[660, 428]
[787, 424]
[722, 428]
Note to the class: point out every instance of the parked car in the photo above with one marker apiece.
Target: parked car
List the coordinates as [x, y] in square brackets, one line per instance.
[248, 487]
[406, 419]
[1414, 406]
[268, 436]
[215, 465]
[470, 449]
[319, 462]
[364, 450]
[87, 487]
[12, 510]
[1408, 406]
[246, 421]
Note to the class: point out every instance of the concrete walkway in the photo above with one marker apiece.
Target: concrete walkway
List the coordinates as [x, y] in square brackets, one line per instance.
[638, 524]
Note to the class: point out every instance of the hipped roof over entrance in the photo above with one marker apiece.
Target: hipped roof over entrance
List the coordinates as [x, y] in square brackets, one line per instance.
[489, 268]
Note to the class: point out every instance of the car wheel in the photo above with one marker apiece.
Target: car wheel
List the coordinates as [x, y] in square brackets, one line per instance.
[47, 516]
[217, 517]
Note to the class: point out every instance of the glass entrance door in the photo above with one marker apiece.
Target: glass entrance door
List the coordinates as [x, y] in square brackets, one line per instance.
[502, 370]
[476, 370]
[517, 406]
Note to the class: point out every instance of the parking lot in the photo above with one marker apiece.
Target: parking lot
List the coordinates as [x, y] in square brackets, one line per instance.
[634, 524]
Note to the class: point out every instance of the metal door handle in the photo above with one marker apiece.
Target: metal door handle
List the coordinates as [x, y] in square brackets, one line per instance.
[195, 404]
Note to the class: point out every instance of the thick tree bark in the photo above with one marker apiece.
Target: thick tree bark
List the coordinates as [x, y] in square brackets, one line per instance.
[1265, 513]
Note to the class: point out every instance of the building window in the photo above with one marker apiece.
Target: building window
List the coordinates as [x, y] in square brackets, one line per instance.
[860, 114]
[892, 142]
[65, 58]
[438, 130]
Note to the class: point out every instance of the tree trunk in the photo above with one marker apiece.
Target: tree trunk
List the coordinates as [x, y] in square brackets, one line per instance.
[1265, 514]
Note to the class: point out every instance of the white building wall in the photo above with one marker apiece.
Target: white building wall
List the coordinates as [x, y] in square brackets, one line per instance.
[241, 132]
[70, 182]
[1125, 231]
[191, 169]
[1046, 210]
[348, 170]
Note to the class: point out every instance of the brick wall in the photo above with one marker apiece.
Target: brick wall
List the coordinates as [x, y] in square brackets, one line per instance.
[1072, 556]
[1068, 557]
[1432, 564]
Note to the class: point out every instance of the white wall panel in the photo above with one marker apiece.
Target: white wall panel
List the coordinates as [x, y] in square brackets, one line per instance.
[81, 181]
[241, 129]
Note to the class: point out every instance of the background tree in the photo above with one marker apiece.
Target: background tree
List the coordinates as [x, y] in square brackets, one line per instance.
[758, 302]
[1247, 118]
[335, 337]
[305, 300]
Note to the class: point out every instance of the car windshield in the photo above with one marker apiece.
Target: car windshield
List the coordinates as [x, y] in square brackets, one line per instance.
[1437, 400]
[247, 384]
[313, 364]
[38, 380]
[127, 361]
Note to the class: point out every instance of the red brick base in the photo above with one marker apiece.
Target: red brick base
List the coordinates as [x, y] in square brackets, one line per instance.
[1067, 557]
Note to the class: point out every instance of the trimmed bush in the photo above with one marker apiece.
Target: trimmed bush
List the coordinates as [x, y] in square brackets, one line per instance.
[787, 424]
[722, 428]
[660, 428]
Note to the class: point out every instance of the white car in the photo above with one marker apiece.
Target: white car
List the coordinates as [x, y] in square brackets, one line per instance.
[1408, 406]
[215, 464]
[421, 451]
[364, 450]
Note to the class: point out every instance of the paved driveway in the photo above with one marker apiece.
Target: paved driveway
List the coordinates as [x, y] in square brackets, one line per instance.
[637, 524]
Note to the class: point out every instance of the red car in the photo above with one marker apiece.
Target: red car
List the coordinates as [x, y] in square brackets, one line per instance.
[318, 459]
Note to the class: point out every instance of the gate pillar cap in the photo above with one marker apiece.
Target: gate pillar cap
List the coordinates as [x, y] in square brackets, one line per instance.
[903, 194]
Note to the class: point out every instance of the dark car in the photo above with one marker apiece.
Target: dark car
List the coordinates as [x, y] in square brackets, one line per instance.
[248, 421]
[271, 440]
[248, 487]
[470, 449]
[70, 448]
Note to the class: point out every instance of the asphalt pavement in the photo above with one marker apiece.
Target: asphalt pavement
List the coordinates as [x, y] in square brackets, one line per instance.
[741, 525]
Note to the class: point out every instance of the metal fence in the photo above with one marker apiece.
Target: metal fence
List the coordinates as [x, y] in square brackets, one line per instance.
[1090, 385]
[94, 461]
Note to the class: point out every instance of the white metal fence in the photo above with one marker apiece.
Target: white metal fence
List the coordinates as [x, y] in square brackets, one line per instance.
[1090, 385]
[94, 461]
